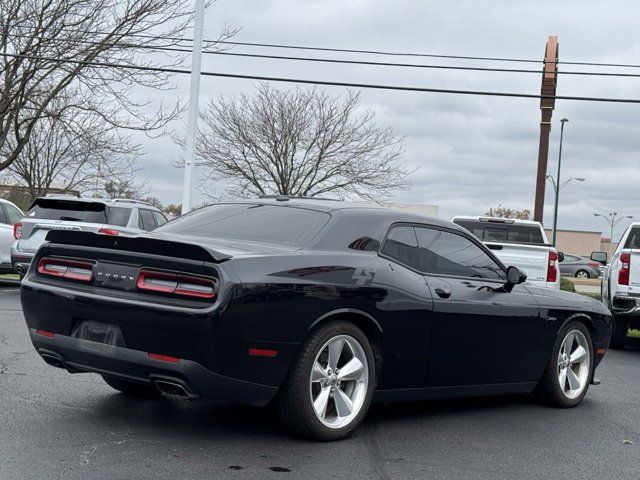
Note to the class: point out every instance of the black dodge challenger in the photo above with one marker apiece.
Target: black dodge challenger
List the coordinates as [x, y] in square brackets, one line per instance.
[319, 306]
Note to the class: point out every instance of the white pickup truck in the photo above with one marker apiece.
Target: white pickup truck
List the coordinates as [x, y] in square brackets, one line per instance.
[521, 243]
[621, 286]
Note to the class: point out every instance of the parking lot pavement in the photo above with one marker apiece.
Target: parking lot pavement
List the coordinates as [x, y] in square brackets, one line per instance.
[56, 425]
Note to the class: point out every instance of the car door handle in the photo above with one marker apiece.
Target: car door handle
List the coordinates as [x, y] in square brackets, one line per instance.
[443, 292]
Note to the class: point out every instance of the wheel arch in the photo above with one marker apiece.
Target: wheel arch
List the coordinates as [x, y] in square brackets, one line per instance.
[365, 322]
[584, 319]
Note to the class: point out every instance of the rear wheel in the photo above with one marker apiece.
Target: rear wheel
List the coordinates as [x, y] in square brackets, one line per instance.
[566, 378]
[582, 274]
[619, 330]
[128, 387]
[329, 388]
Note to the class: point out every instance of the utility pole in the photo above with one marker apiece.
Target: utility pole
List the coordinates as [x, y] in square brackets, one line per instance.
[194, 99]
[555, 210]
[549, 82]
[611, 220]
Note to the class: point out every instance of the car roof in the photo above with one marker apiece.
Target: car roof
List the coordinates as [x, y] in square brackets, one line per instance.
[112, 202]
[2, 200]
[348, 208]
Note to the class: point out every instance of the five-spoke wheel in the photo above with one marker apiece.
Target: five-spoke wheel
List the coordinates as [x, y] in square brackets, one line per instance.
[329, 388]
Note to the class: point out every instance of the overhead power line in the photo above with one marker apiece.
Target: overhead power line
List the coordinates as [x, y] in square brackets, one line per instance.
[352, 62]
[326, 82]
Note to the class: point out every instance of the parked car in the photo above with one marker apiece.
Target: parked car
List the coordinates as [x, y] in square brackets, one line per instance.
[621, 285]
[521, 243]
[321, 306]
[118, 216]
[10, 214]
[580, 267]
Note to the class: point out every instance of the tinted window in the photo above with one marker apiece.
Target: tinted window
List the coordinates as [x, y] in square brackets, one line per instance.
[280, 225]
[12, 213]
[118, 216]
[401, 245]
[146, 217]
[633, 240]
[504, 232]
[69, 210]
[448, 253]
[3, 219]
[159, 218]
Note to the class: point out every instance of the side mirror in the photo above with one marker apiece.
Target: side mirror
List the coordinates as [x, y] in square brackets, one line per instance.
[600, 257]
[560, 257]
[515, 276]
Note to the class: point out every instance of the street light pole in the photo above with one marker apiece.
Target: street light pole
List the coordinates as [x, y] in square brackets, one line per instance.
[194, 98]
[555, 210]
[611, 220]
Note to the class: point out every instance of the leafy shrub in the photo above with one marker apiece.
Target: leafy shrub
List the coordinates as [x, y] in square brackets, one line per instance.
[567, 285]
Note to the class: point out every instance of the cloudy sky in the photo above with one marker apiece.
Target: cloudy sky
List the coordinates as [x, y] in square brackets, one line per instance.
[471, 152]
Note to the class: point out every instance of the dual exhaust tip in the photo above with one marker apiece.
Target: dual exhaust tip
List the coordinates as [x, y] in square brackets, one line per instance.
[166, 386]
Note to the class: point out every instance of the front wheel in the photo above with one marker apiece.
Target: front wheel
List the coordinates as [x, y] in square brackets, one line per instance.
[329, 389]
[566, 378]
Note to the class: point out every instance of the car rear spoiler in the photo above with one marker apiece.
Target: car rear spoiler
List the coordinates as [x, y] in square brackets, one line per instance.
[141, 244]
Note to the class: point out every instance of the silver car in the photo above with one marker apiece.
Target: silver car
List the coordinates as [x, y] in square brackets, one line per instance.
[62, 212]
[9, 216]
[579, 267]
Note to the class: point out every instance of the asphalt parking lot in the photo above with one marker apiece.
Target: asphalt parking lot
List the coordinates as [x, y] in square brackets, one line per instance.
[57, 425]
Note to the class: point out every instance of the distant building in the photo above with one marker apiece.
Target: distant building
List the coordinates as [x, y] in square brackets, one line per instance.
[581, 242]
[21, 196]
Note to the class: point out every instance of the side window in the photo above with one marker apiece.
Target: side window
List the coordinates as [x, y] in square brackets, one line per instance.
[159, 218]
[3, 219]
[146, 219]
[448, 253]
[401, 245]
[13, 214]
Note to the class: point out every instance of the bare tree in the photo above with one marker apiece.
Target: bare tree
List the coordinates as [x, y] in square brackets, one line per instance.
[300, 142]
[124, 188]
[77, 151]
[48, 46]
[503, 212]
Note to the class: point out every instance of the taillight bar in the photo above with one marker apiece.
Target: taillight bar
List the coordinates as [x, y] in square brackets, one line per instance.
[623, 273]
[66, 268]
[176, 284]
[17, 230]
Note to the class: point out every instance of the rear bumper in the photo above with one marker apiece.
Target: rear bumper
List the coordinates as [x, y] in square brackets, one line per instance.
[625, 305]
[20, 260]
[78, 355]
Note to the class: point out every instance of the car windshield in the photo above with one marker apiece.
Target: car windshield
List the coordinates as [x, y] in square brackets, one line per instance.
[68, 210]
[504, 232]
[280, 225]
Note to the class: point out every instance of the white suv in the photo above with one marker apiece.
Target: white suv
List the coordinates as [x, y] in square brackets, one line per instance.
[65, 212]
[9, 216]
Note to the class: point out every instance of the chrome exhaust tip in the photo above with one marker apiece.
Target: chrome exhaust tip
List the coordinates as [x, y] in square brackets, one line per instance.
[172, 388]
[53, 360]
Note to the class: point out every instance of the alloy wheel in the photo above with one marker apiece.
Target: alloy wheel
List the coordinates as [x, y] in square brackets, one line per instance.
[338, 381]
[582, 274]
[574, 364]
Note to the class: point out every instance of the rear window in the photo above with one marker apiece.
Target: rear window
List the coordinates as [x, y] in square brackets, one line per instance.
[504, 232]
[633, 240]
[118, 216]
[68, 210]
[278, 225]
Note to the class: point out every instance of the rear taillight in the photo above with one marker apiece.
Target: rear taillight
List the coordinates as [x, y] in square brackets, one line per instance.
[176, 284]
[108, 231]
[595, 264]
[17, 230]
[552, 269]
[69, 269]
[623, 274]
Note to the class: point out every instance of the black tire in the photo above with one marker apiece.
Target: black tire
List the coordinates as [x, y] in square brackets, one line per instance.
[294, 404]
[548, 389]
[584, 272]
[135, 389]
[619, 330]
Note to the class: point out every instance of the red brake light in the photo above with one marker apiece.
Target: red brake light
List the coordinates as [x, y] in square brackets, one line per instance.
[623, 274]
[17, 230]
[71, 269]
[44, 333]
[108, 231]
[176, 284]
[595, 264]
[163, 358]
[552, 269]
